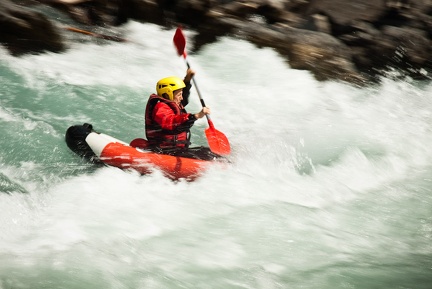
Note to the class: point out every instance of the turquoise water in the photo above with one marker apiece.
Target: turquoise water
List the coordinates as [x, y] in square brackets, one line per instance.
[330, 185]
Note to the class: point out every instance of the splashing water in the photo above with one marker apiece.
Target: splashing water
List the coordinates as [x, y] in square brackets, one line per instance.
[330, 185]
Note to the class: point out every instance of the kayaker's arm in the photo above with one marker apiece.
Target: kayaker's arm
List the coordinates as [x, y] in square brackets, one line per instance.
[170, 122]
[192, 117]
[186, 126]
[186, 91]
[202, 113]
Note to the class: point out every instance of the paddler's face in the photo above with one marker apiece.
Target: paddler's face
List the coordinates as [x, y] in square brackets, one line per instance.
[178, 95]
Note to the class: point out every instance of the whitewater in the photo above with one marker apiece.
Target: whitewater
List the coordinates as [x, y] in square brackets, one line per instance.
[329, 185]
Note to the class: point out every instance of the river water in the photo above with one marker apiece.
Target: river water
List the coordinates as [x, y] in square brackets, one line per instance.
[330, 185]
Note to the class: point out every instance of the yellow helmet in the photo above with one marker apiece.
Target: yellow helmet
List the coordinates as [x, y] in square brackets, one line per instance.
[168, 85]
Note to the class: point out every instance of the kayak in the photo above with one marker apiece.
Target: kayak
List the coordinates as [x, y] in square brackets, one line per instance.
[99, 147]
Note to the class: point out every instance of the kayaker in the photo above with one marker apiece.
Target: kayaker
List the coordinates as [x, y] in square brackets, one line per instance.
[168, 124]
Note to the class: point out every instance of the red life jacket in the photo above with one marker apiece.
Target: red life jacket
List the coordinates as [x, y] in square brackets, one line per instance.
[164, 138]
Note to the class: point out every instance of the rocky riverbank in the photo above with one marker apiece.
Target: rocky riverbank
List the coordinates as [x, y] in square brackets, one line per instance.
[354, 41]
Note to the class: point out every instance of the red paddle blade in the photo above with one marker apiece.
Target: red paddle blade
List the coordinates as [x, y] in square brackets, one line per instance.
[179, 41]
[218, 142]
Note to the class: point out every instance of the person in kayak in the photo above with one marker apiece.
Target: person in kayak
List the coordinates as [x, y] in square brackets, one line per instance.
[168, 124]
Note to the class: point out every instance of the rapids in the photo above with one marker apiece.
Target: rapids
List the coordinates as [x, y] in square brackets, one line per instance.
[330, 185]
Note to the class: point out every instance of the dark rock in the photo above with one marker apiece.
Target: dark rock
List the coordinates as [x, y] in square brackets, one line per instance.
[343, 12]
[23, 31]
[334, 39]
[323, 55]
[145, 10]
[402, 44]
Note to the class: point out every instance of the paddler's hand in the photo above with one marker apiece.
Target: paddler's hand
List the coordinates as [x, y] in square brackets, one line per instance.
[202, 113]
[189, 74]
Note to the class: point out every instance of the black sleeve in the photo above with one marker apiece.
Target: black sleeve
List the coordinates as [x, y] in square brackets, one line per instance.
[186, 93]
[186, 126]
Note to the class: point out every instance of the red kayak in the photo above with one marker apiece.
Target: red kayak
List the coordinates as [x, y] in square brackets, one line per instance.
[99, 147]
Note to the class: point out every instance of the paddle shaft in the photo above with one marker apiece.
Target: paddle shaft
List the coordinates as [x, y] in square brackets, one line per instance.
[218, 142]
[198, 91]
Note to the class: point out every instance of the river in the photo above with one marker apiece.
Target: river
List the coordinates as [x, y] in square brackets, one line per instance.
[330, 185]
